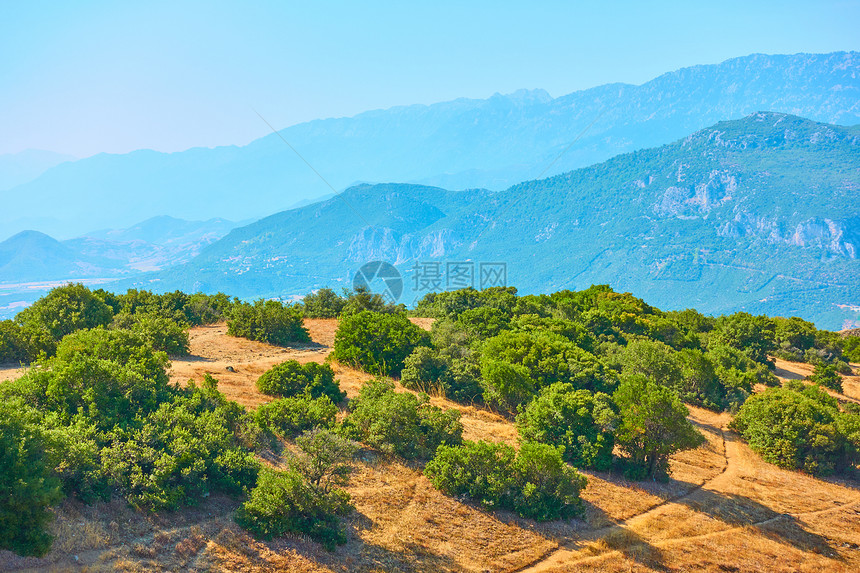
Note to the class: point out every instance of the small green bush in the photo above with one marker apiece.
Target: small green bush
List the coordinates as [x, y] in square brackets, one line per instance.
[799, 427]
[291, 378]
[267, 321]
[827, 376]
[400, 423]
[289, 417]
[577, 420]
[535, 483]
[652, 426]
[66, 309]
[305, 499]
[377, 342]
[324, 303]
[284, 502]
[160, 332]
[28, 485]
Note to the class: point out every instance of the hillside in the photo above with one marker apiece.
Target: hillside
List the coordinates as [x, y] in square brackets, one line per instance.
[723, 510]
[491, 143]
[758, 214]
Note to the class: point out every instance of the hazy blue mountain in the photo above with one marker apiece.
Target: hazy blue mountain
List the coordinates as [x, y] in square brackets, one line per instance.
[464, 143]
[18, 168]
[761, 214]
[31, 256]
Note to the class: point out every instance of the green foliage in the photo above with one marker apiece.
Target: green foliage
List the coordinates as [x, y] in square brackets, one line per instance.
[577, 420]
[755, 336]
[652, 426]
[425, 370]
[181, 452]
[291, 378]
[516, 364]
[284, 502]
[484, 321]
[377, 342]
[451, 304]
[400, 423]
[267, 321]
[28, 486]
[826, 375]
[324, 303]
[22, 344]
[799, 427]
[536, 483]
[160, 332]
[303, 499]
[121, 346]
[851, 348]
[289, 417]
[66, 309]
[324, 458]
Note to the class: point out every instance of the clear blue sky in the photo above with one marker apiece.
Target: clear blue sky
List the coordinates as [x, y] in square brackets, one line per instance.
[85, 77]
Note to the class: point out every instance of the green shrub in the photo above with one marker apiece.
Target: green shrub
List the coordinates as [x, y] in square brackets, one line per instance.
[755, 336]
[400, 423]
[180, 453]
[484, 322]
[28, 485]
[267, 321]
[827, 376]
[324, 303]
[376, 342]
[289, 417]
[577, 420]
[536, 483]
[547, 488]
[130, 349]
[160, 332]
[851, 348]
[505, 385]
[291, 378]
[548, 358]
[305, 499]
[652, 426]
[66, 309]
[799, 427]
[284, 502]
[425, 370]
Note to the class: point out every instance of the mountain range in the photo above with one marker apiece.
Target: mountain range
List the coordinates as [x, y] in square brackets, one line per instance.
[760, 214]
[465, 143]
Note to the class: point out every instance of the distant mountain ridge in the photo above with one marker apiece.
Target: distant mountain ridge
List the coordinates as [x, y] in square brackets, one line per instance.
[490, 143]
[150, 245]
[760, 214]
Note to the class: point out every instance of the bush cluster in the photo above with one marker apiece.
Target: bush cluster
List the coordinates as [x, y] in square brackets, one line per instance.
[377, 342]
[800, 427]
[267, 321]
[534, 482]
[399, 423]
[292, 378]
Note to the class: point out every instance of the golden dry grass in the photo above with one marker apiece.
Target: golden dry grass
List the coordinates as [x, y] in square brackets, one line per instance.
[723, 510]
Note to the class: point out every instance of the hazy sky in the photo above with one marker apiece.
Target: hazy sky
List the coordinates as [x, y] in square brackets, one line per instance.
[85, 77]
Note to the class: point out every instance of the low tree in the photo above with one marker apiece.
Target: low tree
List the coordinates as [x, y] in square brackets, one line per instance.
[535, 483]
[28, 484]
[799, 427]
[377, 342]
[289, 417]
[652, 426]
[400, 423]
[292, 378]
[66, 309]
[580, 422]
[267, 321]
[827, 376]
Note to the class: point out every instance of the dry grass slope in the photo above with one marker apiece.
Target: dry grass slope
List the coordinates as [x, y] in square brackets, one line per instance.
[723, 510]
